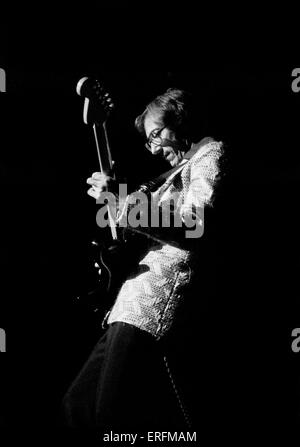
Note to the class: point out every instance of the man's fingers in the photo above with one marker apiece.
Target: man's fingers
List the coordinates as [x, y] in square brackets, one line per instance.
[100, 175]
[99, 182]
[92, 181]
[93, 193]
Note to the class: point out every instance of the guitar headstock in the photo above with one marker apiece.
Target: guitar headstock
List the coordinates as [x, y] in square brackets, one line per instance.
[98, 103]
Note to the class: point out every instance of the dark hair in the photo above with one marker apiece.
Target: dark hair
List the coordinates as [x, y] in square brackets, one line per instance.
[177, 112]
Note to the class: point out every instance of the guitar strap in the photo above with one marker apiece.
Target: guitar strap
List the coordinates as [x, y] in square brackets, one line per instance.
[158, 181]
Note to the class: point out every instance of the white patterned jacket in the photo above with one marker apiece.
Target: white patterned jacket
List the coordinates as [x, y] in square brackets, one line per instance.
[149, 298]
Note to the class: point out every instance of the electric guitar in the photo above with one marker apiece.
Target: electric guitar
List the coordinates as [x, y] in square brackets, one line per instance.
[111, 257]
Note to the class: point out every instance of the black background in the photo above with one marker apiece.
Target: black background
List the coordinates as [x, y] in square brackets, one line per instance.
[240, 373]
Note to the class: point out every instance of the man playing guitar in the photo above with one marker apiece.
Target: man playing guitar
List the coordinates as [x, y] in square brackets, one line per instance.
[127, 381]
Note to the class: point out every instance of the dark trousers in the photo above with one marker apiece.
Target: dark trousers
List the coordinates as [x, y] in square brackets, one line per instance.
[124, 384]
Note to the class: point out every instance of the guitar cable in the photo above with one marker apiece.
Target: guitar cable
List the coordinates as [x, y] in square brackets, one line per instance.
[177, 395]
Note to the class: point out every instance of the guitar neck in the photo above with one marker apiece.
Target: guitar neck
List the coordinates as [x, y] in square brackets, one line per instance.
[105, 164]
[104, 156]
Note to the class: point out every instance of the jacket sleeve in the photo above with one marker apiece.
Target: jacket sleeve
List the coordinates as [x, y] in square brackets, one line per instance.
[203, 178]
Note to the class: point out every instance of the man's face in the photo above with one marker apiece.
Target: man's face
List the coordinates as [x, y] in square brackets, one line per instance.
[162, 140]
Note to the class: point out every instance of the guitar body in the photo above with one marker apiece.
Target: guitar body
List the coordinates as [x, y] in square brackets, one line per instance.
[110, 264]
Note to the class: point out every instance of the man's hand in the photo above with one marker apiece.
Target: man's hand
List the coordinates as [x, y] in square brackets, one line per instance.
[100, 181]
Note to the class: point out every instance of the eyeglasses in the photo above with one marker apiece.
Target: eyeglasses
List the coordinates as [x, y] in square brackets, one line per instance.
[154, 135]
